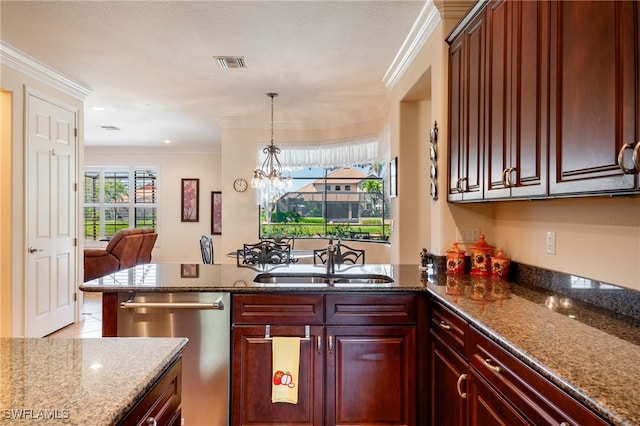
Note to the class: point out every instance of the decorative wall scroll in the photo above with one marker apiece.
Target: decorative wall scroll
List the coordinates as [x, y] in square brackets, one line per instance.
[216, 213]
[433, 156]
[190, 199]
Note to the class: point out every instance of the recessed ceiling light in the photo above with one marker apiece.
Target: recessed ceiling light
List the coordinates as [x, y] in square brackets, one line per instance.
[167, 141]
[97, 108]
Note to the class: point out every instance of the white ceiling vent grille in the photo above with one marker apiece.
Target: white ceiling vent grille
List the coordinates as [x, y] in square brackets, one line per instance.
[110, 127]
[231, 61]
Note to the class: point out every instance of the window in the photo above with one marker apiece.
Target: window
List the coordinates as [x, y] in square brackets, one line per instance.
[112, 203]
[311, 209]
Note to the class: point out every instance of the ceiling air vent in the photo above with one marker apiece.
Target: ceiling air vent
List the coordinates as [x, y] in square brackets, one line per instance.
[231, 61]
[110, 127]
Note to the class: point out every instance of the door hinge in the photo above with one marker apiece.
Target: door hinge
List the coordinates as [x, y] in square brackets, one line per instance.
[75, 132]
[75, 242]
[75, 297]
[75, 187]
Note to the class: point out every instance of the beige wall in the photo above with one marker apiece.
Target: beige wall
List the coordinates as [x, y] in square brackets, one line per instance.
[240, 212]
[6, 116]
[177, 241]
[16, 83]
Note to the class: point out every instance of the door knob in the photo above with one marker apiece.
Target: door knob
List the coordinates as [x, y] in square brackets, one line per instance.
[33, 250]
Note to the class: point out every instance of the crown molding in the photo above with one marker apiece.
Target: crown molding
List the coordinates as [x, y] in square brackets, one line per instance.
[422, 29]
[20, 61]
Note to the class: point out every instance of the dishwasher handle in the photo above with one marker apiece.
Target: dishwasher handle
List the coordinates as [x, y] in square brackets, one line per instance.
[217, 305]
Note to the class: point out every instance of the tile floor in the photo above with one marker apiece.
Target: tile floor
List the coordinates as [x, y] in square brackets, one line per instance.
[90, 323]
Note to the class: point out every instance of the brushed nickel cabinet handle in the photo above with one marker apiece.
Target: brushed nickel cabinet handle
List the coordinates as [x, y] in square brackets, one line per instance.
[443, 325]
[460, 379]
[330, 344]
[488, 363]
[636, 156]
[319, 344]
[621, 159]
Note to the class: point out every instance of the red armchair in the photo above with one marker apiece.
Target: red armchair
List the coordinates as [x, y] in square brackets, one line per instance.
[127, 248]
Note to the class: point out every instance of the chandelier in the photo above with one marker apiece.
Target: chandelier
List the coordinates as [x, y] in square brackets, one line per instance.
[271, 169]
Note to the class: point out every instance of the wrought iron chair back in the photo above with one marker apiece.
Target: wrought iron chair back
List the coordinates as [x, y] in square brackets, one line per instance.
[264, 252]
[344, 255]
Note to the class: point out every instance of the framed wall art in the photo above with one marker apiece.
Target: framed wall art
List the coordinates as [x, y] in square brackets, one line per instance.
[189, 270]
[190, 200]
[216, 213]
[393, 177]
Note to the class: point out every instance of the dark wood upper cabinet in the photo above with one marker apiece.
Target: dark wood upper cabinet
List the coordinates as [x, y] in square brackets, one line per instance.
[517, 102]
[594, 95]
[544, 100]
[466, 112]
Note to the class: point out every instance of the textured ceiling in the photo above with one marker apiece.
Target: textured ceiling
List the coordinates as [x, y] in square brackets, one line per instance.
[150, 63]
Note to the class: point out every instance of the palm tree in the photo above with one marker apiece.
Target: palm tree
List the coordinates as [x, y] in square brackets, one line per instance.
[376, 168]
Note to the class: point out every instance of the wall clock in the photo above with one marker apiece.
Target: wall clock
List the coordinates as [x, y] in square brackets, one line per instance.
[240, 185]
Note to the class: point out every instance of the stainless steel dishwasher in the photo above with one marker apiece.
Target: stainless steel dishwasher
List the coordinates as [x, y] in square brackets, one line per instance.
[205, 320]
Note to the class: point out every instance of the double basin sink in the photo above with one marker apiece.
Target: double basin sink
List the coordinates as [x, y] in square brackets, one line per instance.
[322, 279]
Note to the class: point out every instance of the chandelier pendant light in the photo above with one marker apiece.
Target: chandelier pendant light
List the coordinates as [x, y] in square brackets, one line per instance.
[271, 169]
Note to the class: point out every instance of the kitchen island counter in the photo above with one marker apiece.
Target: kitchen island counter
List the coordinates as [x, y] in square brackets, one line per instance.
[590, 360]
[79, 381]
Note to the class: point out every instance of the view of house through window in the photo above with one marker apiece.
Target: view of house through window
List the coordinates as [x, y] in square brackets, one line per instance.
[117, 198]
[347, 202]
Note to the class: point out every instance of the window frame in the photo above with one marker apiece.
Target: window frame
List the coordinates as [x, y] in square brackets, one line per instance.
[132, 204]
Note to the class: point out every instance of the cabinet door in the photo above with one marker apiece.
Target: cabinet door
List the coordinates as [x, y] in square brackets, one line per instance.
[448, 385]
[466, 111]
[517, 92]
[487, 407]
[251, 379]
[594, 94]
[371, 375]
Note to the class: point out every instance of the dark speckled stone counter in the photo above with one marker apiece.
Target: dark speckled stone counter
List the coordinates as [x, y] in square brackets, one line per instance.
[590, 352]
[79, 381]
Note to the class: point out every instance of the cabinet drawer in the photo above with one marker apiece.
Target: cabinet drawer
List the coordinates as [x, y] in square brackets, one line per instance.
[277, 309]
[541, 402]
[450, 328]
[161, 402]
[371, 309]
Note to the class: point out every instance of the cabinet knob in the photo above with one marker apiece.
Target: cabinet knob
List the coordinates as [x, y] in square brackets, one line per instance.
[565, 424]
[151, 421]
[625, 147]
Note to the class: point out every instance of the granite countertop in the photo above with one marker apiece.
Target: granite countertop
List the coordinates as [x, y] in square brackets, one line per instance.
[177, 277]
[557, 337]
[586, 351]
[79, 381]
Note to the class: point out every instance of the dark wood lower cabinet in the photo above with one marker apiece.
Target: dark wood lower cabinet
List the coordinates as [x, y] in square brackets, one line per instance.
[359, 374]
[251, 392]
[476, 382]
[161, 405]
[371, 375]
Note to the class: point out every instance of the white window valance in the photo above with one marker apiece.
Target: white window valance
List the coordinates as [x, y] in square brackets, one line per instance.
[362, 150]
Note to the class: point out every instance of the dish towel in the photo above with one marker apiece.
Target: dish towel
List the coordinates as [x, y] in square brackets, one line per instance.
[286, 362]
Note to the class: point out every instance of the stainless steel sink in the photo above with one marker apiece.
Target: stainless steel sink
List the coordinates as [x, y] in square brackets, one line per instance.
[322, 279]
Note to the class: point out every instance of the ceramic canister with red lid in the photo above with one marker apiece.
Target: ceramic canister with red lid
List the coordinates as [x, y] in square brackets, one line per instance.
[500, 265]
[455, 260]
[481, 253]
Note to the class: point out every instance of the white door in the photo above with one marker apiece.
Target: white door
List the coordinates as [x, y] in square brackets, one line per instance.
[51, 215]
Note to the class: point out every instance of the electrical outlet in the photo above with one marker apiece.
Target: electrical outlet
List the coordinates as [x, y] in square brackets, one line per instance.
[467, 235]
[551, 242]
